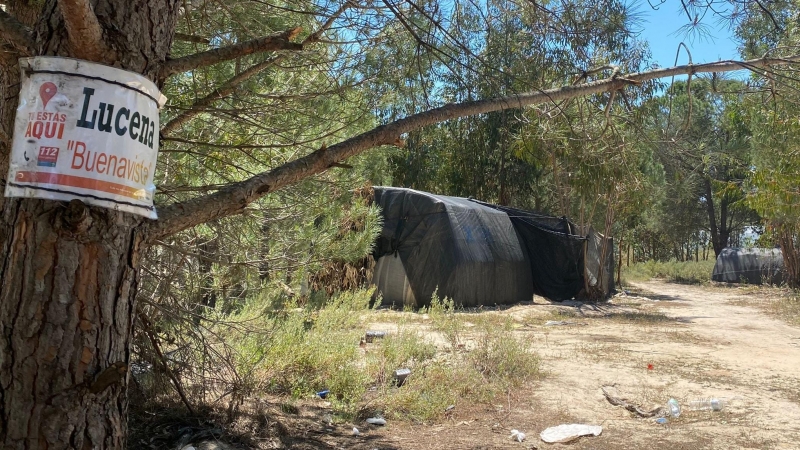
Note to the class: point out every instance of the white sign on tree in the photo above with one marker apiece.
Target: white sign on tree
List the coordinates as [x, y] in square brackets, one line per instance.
[85, 131]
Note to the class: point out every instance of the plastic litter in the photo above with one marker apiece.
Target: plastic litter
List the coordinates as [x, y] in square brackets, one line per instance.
[662, 420]
[400, 376]
[376, 421]
[517, 435]
[450, 408]
[569, 432]
[355, 431]
[551, 323]
[704, 404]
[674, 408]
[372, 335]
[323, 393]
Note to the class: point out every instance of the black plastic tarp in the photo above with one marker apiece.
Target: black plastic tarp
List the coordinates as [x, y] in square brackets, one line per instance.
[477, 253]
[470, 252]
[554, 251]
[751, 266]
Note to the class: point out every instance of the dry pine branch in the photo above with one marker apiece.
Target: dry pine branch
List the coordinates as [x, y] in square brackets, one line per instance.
[273, 42]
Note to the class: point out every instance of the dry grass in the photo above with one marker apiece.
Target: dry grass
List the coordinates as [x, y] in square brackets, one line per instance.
[689, 272]
[780, 303]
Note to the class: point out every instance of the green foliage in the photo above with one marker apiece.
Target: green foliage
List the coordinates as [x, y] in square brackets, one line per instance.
[484, 359]
[773, 189]
[426, 396]
[502, 358]
[297, 351]
[543, 158]
[303, 350]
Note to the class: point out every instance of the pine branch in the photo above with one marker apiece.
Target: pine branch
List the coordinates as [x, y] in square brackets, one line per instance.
[273, 42]
[235, 197]
[230, 86]
[17, 34]
[192, 38]
[84, 31]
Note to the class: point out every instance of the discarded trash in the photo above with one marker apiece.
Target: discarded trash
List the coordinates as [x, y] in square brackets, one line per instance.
[569, 432]
[400, 376]
[189, 447]
[372, 335]
[713, 404]
[636, 409]
[323, 394]
[376, 421]
[449, 408]
[517, 436]
[551, 323]
[355, 431]
[649, 367]
[662, 420]
[674, 407]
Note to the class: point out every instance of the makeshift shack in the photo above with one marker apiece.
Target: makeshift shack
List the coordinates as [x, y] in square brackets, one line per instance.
[480, 254]
[749, 265]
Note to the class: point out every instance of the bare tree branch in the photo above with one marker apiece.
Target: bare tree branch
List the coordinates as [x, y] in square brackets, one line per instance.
[235, 197]
[229, 86]
[17, 34]
[192, 38]
[273, 42]
[84, 31]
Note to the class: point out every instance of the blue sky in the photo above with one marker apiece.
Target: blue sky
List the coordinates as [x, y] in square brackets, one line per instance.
[661, 28]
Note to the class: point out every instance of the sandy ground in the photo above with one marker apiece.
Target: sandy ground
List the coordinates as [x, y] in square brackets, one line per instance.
[658, 341]
[700, 341]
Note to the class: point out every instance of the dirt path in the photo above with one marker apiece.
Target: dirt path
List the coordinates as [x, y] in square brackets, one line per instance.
[700, 341]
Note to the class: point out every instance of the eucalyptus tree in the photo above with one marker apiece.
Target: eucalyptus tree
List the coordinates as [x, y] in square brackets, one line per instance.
[702, 141]
[71, 272]
[772, 115]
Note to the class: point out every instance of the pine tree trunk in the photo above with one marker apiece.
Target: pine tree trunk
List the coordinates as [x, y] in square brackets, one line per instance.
[69, 271]
[66, 304]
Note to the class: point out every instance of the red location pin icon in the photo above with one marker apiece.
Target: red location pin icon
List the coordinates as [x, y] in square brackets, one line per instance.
[47, 91]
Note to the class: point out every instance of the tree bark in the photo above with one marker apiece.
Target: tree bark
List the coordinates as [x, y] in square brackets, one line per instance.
[69, 279]
[69, 271]
[712, 217]
[724, 227]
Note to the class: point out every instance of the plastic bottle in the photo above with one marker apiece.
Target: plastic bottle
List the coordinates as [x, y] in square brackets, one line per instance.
[704, 404]
[376, 421]
[674, 407]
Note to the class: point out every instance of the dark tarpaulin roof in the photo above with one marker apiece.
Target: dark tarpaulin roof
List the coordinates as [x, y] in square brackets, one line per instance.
[752, 266]
[554, 252]
[477, 253]
[470, 252]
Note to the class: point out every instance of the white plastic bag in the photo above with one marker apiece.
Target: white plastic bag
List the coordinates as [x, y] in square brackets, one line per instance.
[569, 432]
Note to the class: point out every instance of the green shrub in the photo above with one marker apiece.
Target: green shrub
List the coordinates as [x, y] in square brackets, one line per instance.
[300, 351]
[501, 357]
[297, 351]
[443, 315]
